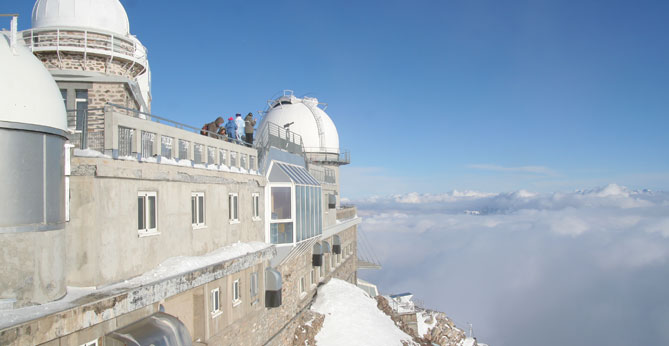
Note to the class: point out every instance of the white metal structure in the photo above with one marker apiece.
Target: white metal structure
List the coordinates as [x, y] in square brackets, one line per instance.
[319, 133]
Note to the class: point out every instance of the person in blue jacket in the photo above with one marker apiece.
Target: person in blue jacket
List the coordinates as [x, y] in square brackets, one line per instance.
[231, 128]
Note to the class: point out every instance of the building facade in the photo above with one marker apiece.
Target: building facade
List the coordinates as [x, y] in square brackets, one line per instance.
[136, 231]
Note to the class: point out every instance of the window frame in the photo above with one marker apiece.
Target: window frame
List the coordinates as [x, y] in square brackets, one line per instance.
[236, 293]
[312, 275]
[233, 196]
[198, 223]
[253, 283]
[215, 297]
[302, 287]
[92, 343]
[146, 231]
[255, 201]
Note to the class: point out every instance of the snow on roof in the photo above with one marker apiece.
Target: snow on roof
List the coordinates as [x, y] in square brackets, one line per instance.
[352, 318]
[171, 267]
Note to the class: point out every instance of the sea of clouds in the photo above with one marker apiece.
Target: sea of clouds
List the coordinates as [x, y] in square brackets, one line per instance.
[586, 267]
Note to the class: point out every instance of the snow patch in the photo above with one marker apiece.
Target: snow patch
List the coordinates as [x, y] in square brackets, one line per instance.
[90, 153]
[352, 318]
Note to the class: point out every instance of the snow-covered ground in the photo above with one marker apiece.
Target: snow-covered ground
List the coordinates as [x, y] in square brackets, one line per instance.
[352, 318]
[422, 317]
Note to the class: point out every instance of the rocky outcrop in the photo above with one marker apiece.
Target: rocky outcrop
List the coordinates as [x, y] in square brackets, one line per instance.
[309, 325]
[441, 330]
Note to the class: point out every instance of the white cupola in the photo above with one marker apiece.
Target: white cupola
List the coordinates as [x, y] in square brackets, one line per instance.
[99, 15]
[319, 133]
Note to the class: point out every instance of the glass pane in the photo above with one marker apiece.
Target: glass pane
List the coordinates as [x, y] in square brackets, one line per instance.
[281, 203]
[236, 215]
[281, 233]
[298, 202]
[140, 212]
[63, 93]
[81, 113]
[200, 210]
[310, 212]
[222, 157]
[152, 211]
[230, 207]
[192, 210]
[82, 94]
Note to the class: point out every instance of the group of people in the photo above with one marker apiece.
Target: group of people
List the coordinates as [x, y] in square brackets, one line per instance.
[236, 129]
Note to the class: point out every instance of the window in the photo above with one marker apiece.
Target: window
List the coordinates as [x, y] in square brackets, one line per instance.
[198, 153]
[81, 105]
[233, 212]
[215, 301]
[235, 292]
[256, 206]
[332, 262]
[146, 212]
[91, 343]
[63, 94]
[281, 228]
[197, 209]
[321, 271]
[243, 158]
[312, 278]
[254, 284]
[302, 288]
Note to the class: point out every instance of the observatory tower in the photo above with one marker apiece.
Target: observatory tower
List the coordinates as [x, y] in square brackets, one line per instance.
[306, 116]
[87, 47]
[32, 183]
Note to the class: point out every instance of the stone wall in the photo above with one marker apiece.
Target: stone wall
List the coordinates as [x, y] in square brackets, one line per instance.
[95, 63]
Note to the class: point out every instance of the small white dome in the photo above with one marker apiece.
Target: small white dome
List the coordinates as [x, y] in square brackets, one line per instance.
[103, 15]
[319, 133]
[29, 93]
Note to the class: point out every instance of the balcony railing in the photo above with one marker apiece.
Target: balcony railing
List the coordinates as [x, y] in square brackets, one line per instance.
[86, 42]
[332, 156]
[121, 132]
[273, 135]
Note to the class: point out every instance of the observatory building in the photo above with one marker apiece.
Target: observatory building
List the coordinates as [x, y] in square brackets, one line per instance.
[120, 227]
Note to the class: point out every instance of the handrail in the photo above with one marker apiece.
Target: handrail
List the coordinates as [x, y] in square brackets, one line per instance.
[88, 41]
[161, 120]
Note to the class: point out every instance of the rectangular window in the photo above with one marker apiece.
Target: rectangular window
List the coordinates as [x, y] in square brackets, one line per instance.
[91, 343]
[321, 271]
[198, 153]
[215, 301]
[302, 288]
[313, 278]
[166, 146]
[63, 94]
[281, 232]
[233, 212]
[256, 206]
[252, 163]
[254, 284]
[146, 212]
[243, 158]
[235, 292]
[281, 203]
[197, 209]
[81, 106]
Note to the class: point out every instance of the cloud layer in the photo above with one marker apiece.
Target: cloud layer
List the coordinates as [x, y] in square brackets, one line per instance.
[577, 268]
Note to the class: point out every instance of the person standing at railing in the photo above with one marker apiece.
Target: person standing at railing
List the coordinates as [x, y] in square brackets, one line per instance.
[231, 128]
[211, 129]
[240, 126]
[248, 129]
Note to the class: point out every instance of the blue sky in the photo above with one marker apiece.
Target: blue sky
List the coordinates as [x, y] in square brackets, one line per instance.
[431, 96]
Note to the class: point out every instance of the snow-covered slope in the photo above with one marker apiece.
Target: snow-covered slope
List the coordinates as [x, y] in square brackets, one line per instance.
[352, 318]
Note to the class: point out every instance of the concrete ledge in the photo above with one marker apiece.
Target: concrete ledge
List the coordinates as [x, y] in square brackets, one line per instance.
[115, 300]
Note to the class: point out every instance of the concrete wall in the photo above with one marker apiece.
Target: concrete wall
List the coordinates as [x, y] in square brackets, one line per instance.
[104, 245]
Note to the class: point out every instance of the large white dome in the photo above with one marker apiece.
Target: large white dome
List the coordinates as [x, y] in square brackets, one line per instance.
[103, 15]
[319, 133]
[29, 93]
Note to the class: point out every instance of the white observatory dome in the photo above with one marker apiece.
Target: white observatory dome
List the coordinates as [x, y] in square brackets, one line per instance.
[319, 133]
[103, 15]
[29, 93]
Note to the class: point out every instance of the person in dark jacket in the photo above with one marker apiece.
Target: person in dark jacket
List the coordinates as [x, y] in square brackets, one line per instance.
[231, 128]
[249, 123]
[212, 127]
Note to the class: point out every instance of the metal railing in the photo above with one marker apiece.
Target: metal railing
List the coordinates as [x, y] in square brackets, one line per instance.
[273, 135]
[86, 42]
[119, 131]
[333, 156]
[324, 175]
